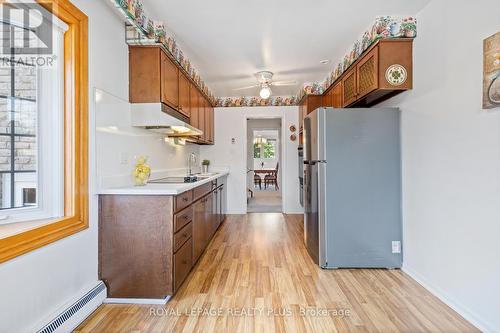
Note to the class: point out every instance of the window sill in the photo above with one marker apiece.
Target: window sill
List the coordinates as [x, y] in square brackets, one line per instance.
[22, 237]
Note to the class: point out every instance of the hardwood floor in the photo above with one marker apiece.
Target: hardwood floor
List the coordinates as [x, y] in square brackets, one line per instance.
[256, 276]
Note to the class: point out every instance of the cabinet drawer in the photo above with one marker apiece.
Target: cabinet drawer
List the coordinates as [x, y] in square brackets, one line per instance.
[182, 218]
[183, 261]
[202, 190]
[183, 200]
[182, 235]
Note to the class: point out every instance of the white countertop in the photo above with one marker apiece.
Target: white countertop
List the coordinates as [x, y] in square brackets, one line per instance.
[159, 189]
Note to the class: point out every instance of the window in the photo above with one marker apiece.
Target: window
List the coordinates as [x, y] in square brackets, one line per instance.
[269, 149]
[49, 181]
[31, 124]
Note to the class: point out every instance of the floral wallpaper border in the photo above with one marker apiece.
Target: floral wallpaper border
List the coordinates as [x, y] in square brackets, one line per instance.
[256, 101]
[144, 30]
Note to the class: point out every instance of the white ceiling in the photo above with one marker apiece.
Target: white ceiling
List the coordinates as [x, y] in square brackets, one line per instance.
[229, 40]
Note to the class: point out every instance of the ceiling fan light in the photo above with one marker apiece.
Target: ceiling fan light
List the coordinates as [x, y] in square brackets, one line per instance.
[265, 92]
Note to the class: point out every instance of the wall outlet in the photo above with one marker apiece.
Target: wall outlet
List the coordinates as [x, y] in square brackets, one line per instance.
[123, 158]
[396, 247]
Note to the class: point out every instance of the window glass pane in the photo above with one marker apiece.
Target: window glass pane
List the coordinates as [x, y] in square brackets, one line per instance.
[25, 153]
[5, 190]
[25, 117]
[23, 181]
[25, 82]
[5, 81]
[5, 115]
[5, 153]
[256, 150]
[270, 149]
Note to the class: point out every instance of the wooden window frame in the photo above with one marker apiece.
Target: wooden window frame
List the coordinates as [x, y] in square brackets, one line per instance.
[76, 202]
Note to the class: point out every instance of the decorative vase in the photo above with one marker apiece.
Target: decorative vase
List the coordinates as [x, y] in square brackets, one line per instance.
[141, 172]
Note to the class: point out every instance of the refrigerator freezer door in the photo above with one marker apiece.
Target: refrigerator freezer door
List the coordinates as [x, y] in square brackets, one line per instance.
[311, 216]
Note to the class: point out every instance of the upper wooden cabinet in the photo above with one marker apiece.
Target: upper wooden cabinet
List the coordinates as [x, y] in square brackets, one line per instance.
[193, 103]
[336, 93]
[145, 74]
[308, 104]
[384, 70]
[367, 73]
[169, 82]
[184, 95]
[155, 78]
[349, 87]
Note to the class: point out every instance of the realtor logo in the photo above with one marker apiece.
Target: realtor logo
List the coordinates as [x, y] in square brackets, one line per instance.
[26, 28]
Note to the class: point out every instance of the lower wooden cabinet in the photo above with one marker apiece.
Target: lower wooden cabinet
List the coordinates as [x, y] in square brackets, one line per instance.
[183, 261]
[149, 244]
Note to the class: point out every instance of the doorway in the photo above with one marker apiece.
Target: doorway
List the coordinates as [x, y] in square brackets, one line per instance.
[264, 152]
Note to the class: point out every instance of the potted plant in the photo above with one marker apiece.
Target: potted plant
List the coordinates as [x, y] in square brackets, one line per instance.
[409, 27]
[205, 165]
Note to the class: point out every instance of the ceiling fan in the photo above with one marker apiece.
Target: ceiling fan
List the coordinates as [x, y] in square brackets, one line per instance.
[265, 81]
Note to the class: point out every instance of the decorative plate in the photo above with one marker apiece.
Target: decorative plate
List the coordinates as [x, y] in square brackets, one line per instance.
[396, 75]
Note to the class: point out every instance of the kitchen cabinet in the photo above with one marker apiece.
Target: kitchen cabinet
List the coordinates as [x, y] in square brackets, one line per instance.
[169, 82]
[201, 117]
[336, 93]
[148, 244]
[367, 73]
[349, 87]
[184, 95]
[383, 71]
[199, 228]
[308, 104]
[193, 107]
[156, 78]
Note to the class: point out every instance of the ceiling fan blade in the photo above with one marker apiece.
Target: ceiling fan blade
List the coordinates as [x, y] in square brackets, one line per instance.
[247, 87]
[284, 83]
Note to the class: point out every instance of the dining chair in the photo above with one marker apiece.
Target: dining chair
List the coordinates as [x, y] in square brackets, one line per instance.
[272, 179]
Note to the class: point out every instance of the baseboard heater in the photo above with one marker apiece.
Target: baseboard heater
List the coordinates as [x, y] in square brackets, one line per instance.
[73, 309]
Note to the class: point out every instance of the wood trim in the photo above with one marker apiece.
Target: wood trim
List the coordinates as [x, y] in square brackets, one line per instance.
[76, 133]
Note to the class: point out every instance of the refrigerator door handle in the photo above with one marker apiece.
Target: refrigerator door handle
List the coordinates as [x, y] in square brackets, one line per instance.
[313, 162]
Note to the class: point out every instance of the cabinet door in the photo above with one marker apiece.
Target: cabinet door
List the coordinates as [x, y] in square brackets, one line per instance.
[184, 94]
[144, 74]
[201, 115]
[210, 216]
[349, 87]
[199, 234]
[169, 82]
[337, 95]
[193, 100]
[183, 261]
[209, 121]
[212, 124]
[367, 73]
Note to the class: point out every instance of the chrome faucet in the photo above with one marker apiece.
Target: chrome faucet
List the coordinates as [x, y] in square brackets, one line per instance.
[192, 159]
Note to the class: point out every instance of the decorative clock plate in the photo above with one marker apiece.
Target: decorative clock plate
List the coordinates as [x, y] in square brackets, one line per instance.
[396, 75]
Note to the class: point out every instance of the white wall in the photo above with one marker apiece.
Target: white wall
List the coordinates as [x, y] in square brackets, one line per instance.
[232, 123]
[35, 286]
[451, 162]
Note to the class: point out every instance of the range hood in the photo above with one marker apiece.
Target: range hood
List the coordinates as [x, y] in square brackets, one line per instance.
[160, 118]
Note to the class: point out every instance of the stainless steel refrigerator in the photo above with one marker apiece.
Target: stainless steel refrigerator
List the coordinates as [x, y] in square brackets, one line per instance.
[352, 187]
